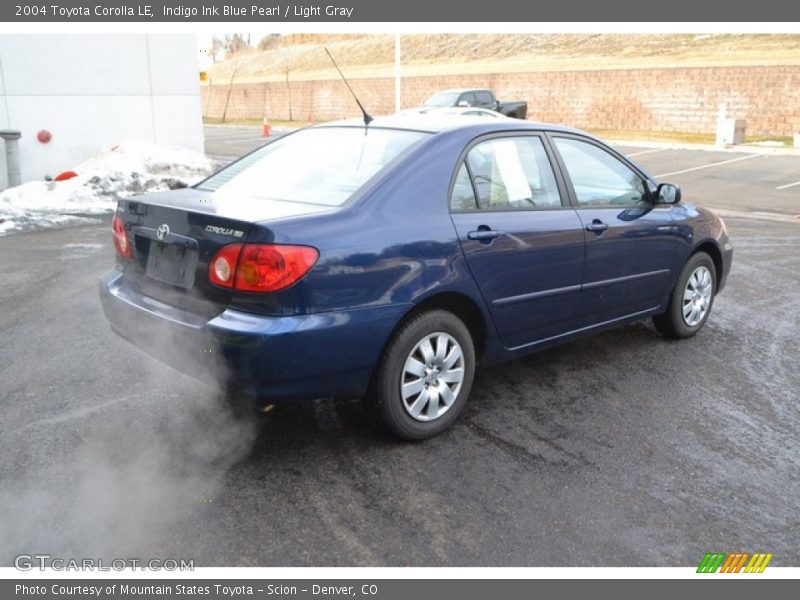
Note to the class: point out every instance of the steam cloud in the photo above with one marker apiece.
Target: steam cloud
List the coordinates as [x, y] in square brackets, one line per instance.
[122, 473]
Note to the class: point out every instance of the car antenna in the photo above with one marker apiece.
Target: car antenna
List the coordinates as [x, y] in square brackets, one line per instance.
[367, 117]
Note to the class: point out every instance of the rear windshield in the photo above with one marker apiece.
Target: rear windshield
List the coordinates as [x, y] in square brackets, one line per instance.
[318, 166]
[442, 99]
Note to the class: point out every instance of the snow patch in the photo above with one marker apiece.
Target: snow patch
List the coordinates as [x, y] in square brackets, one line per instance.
[125, 170]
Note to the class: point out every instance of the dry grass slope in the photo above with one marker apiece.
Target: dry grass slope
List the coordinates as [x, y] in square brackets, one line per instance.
[302, 56]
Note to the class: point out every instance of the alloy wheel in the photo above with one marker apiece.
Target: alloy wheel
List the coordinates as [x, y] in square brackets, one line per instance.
[697, 296]
[432, 376]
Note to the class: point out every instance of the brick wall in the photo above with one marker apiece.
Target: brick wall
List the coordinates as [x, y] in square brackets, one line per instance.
[675, 99]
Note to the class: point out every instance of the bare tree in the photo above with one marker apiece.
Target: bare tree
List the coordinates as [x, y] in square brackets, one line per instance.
[235, 43]
[287, 64]
[269, 41]
[228, 97]
[216, 47]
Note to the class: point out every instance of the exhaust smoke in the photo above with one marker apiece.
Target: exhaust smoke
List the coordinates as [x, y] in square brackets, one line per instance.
[124, 472]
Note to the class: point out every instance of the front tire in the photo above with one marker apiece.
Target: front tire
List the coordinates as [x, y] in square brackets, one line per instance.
[691, 301]
[425, 375]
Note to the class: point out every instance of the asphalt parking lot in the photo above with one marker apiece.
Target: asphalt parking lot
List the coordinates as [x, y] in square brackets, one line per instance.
[621, 449]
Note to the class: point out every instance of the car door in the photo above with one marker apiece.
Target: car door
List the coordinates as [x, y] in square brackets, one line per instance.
[630, 242]
[521, 239]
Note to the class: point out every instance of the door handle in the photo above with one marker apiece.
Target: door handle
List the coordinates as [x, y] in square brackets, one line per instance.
[484, 235]
[597, 226]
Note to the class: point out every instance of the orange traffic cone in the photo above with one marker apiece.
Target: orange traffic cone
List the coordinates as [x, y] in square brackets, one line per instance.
[309, 122]
[266, 131]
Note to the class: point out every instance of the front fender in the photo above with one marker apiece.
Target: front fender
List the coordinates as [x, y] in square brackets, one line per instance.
[702, 229]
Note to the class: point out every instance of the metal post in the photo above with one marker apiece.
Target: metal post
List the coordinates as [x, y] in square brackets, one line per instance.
[722, 114]
[11, 137]
[397, 72]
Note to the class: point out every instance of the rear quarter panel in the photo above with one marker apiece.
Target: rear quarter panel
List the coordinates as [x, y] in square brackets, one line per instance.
[393, 244]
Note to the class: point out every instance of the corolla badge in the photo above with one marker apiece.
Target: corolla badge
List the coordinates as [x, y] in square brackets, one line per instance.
[224, 231]
[162, 231]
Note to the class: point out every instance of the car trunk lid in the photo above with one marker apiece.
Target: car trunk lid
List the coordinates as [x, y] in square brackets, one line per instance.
[175, 235]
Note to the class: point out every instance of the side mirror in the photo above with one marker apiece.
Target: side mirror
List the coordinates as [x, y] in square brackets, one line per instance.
[463, 103]
[668, 193]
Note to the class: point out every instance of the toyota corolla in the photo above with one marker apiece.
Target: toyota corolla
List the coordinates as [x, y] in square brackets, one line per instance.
[387, 262]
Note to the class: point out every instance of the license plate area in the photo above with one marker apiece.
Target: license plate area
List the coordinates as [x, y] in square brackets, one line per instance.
[172, 264]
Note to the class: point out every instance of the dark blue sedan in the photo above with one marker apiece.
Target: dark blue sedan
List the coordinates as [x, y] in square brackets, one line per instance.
[387, 262]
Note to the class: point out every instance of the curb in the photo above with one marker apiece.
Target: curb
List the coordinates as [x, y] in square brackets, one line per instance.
[757, 215]
[743, 148]
[275, 129]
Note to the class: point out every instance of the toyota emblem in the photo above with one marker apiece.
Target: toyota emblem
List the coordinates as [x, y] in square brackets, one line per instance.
[162, 231]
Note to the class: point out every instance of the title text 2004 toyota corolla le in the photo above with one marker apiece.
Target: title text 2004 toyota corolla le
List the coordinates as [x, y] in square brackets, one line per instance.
[386, 262]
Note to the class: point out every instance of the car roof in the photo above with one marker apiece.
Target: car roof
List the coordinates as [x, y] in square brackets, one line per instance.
[461, 110]
[461, 90]
[441, 121]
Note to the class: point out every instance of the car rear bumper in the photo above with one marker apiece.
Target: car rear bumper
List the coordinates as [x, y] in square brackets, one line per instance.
[274, 357]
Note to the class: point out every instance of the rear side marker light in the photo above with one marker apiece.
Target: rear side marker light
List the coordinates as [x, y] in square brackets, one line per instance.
[122, 243]
[260, 267]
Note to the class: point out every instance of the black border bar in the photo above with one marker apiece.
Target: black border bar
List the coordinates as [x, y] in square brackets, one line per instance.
[357, 11]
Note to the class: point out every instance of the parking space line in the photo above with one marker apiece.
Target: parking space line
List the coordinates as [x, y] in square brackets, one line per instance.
[716, 164]
[647, 152]
[788, 185]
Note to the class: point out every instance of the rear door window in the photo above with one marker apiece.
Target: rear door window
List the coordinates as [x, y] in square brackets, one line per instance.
[511, 173]
[463, 196]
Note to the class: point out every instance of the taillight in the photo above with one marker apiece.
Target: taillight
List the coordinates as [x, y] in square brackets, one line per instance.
[260, 267]
[269, 268]
[122, 243]
[222, 268]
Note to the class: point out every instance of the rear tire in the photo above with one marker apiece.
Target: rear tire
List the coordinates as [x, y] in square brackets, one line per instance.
[425, 375]
[691, 300]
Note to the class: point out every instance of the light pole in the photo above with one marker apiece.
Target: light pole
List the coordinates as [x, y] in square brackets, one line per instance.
[396, 72]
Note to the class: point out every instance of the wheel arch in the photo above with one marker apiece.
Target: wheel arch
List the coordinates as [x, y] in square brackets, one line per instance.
[461, 305]
[712, 249]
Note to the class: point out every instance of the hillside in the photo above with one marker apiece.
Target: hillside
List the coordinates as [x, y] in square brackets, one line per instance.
[302, 56]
